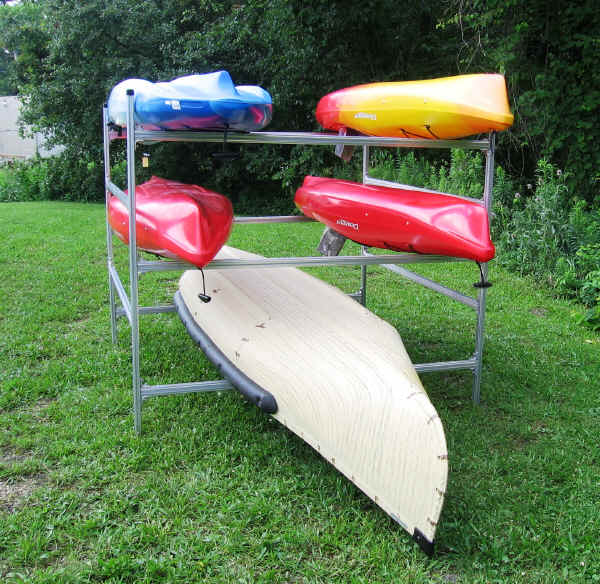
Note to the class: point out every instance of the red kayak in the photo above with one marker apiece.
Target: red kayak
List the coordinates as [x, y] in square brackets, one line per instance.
[175, 220]
[399, 219]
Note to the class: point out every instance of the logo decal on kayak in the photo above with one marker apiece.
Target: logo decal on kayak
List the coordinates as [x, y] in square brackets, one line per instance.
[174, 103]
[365, 116]
[347, 224]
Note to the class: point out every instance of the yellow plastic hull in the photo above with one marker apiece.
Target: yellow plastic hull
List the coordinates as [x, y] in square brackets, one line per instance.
[445, 108]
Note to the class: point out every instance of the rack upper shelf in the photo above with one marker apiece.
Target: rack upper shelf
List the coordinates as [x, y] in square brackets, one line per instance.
[308, 138]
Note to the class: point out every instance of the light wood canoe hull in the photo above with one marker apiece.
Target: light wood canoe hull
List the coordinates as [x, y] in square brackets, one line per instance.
[339, 375]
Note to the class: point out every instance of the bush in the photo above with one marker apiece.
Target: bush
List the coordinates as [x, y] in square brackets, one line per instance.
[460, 174]
[590, 296]
[556, 239]
[62, 177]
[22, 180]
[543, 232]
[548, 235]
[537, 233]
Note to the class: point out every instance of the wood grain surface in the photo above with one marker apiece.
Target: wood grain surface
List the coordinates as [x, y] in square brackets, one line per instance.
[341, 377]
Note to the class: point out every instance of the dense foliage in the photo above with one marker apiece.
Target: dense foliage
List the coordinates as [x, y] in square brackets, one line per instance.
[23, 46]
[63, 57]
[539, 232]
[549, 52]
[296, 51]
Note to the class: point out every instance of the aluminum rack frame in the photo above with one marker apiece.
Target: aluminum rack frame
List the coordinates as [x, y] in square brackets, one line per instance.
[131, 309]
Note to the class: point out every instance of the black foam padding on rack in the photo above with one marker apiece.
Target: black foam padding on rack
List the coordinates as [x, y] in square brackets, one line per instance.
[248, 388]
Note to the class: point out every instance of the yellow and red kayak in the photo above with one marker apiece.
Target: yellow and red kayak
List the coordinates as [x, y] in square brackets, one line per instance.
[445, 108]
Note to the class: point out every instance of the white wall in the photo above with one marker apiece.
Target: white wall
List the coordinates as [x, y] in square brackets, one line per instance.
[11, 144]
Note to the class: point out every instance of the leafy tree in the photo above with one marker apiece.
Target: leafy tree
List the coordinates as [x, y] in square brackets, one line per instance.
[23, 42]
[7, 86]
[92, 46]
[70, 54]
[298, 51]
[549, 51]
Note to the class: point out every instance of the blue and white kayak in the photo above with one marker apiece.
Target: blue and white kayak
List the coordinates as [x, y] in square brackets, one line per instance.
[194, 102]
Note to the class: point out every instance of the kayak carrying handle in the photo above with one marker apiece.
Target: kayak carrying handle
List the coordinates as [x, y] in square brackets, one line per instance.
[483, 283]
[203, 295]
[225, 155]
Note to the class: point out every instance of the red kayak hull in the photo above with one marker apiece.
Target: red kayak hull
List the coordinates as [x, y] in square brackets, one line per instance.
[399, 219]
[175, 220]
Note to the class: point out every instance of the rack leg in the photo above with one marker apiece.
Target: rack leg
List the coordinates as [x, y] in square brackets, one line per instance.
[363, 280]
[133, 268]
[479, 334]
[109, 241]
[135, 337]
[487, 199]
[136, 381]
[365, 174]
[113, 309]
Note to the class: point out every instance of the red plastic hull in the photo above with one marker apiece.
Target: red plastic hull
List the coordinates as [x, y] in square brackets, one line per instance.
[175, 220]
[399, 219]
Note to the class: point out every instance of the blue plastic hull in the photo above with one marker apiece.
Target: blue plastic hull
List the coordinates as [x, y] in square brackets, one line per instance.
[194, 102]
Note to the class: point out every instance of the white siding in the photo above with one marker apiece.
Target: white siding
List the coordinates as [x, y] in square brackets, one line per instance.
[11, 144]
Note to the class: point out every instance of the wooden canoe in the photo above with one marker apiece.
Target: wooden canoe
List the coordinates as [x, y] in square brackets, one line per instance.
[333, 373]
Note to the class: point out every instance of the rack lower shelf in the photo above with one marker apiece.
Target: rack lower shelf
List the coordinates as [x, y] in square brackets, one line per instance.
[387, 261]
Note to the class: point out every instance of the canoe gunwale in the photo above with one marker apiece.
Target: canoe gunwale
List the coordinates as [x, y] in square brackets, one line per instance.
[253, 392]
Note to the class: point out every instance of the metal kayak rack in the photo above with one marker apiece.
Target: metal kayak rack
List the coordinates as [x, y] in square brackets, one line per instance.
[128, 305]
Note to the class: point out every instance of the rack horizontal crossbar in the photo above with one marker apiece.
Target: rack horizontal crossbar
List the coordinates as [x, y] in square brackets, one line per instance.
[182, 388]
[446, 366]
[275, 219]
[307, 138]
[150, 309]
[120, 194]
[369, 180]
[432, 285]
[116, 280]
[309, 261]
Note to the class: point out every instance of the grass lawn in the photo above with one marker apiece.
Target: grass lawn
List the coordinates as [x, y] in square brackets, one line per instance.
[215, 491]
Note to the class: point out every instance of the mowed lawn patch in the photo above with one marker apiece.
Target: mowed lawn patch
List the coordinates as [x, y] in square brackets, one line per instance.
[215, 491]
